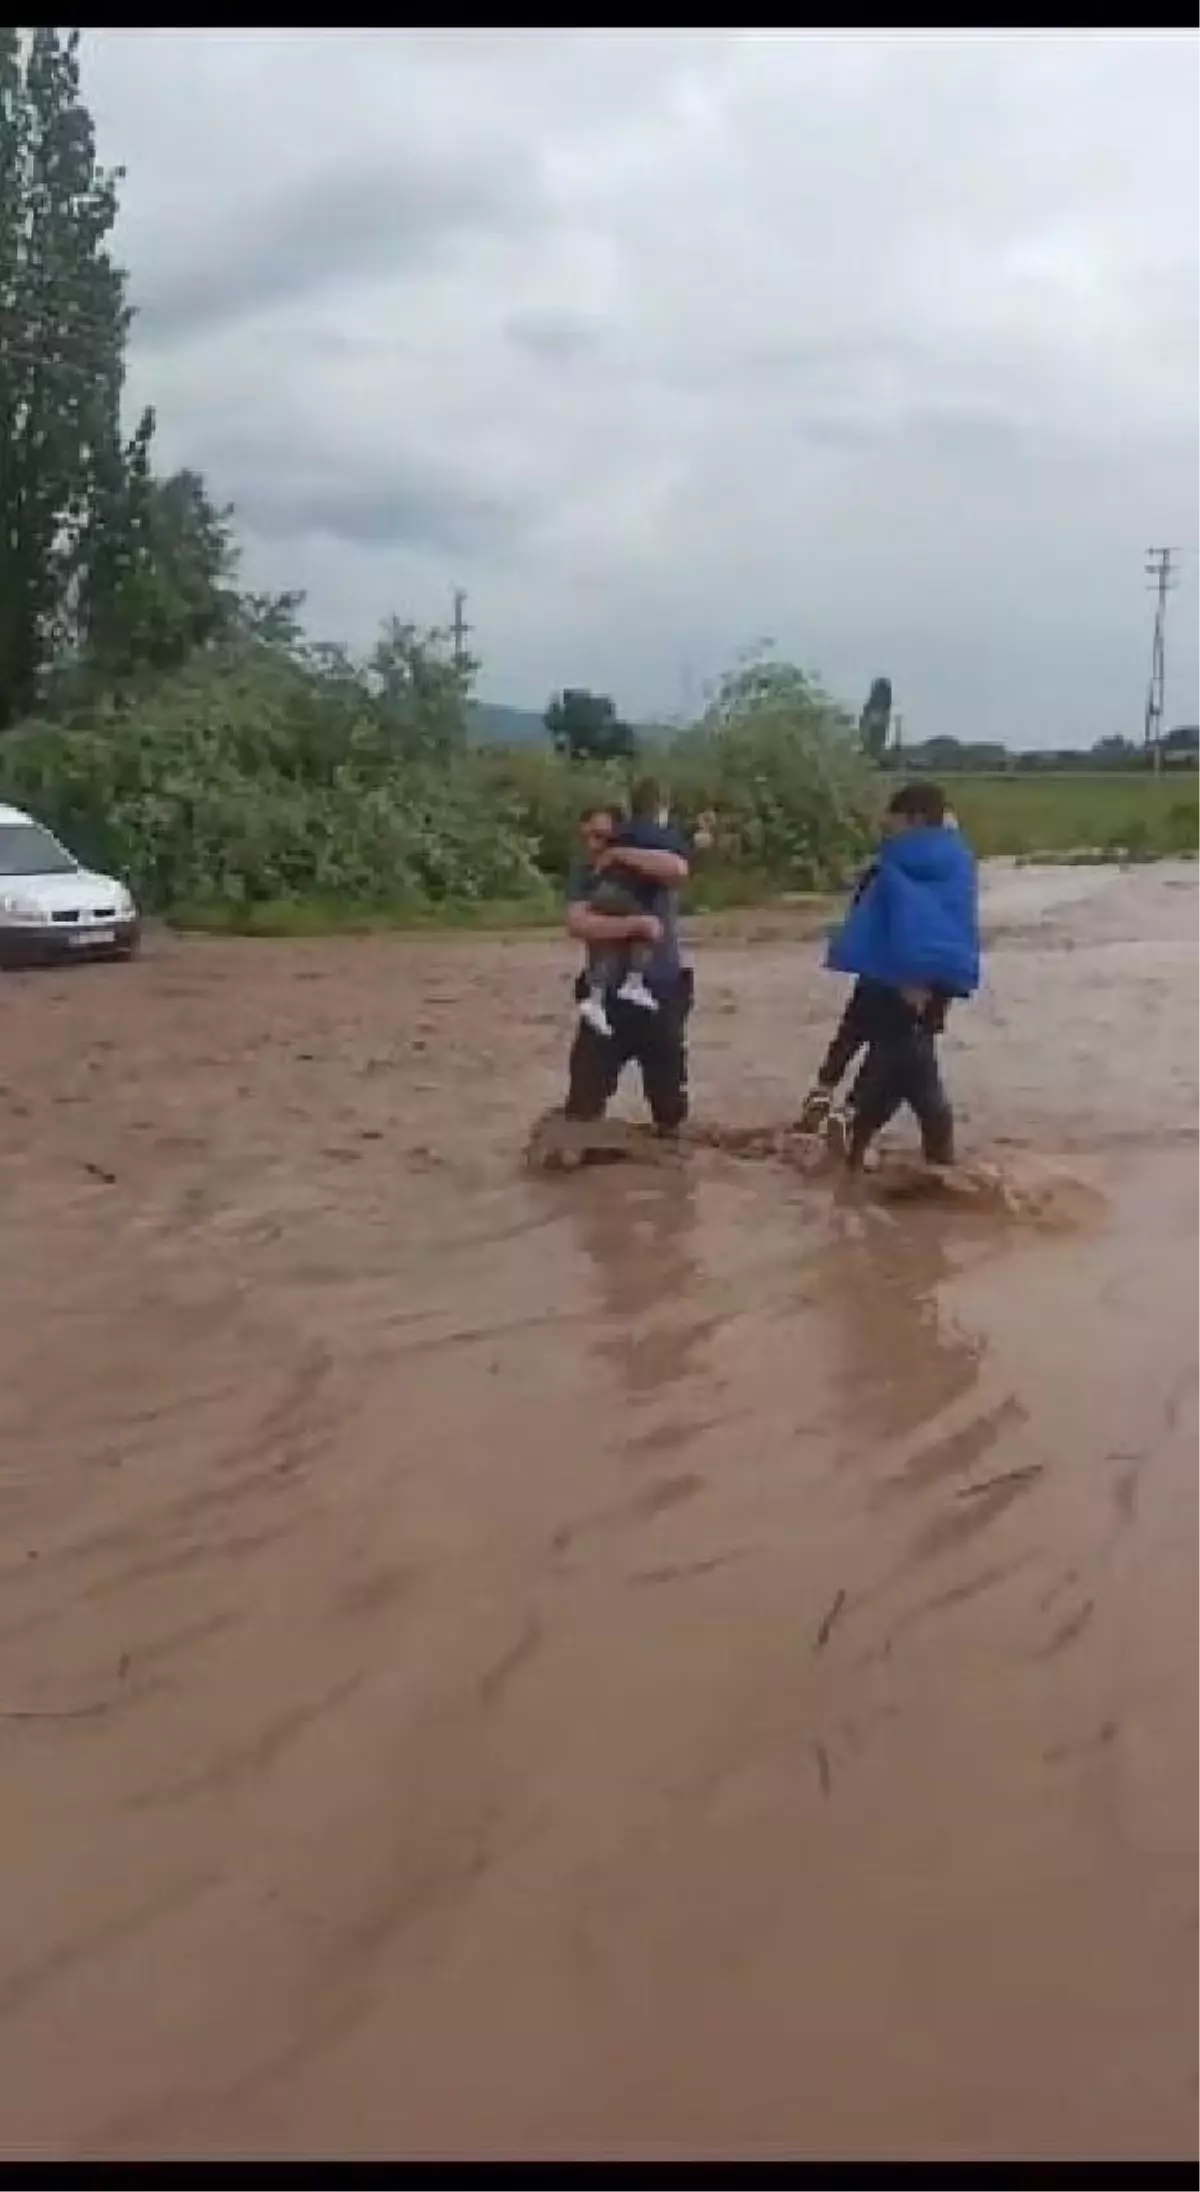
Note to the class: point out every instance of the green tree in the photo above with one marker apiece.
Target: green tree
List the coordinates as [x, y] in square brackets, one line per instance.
[775, 763]
[251, 774]
[159, 574]
[1114, 752]
[63, 328]
[157, 582]
[875, 722]
[946, 753]
[421, 691]
[585, 726]
[273, 619]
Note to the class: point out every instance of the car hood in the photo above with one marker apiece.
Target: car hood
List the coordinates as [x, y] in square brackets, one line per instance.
[80, 891]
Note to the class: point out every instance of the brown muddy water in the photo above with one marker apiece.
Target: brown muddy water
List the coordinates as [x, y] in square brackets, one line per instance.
[646, 1662]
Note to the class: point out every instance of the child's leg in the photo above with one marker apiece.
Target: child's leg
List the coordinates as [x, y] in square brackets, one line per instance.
[613, 897]
[847, 1042]
[624, 964]
[635, 958]
[633, 988]
[606, 967]
[851, 1034]
[608, 964]
[604, 973]
[854, 1097]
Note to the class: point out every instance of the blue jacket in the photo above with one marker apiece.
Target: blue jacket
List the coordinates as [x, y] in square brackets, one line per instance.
[916, 925]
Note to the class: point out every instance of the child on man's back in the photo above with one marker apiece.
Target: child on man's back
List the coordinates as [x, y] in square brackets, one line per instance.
[853, 1033]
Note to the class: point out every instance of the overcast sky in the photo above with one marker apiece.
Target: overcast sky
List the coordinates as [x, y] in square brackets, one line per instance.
[658, 343]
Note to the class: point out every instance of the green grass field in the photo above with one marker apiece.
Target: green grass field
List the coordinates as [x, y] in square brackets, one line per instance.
[1085, 816]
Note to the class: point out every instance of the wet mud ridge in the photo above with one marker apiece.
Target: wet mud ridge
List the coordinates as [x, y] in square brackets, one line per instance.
[1023, 1193]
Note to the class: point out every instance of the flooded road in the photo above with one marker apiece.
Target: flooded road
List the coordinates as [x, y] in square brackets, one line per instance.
[653, 1661]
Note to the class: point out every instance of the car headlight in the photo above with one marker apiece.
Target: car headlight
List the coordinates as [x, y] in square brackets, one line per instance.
[20, 908]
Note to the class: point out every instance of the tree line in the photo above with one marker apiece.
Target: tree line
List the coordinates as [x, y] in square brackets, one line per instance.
[1178, 749]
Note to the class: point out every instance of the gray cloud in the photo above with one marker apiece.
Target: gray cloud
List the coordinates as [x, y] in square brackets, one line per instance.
[402, 495]
[556, 337]
[382, 222]
[397, 512]
[887, 346]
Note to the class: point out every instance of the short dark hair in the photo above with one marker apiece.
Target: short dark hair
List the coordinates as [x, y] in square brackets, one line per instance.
[920, 801]
[647, 796]
[616, 815]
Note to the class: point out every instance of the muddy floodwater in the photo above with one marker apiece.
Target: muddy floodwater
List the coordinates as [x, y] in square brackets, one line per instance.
[653, 1661]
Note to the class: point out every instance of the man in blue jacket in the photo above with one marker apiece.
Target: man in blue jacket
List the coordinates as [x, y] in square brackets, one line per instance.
[912, 939]
[820, 1113]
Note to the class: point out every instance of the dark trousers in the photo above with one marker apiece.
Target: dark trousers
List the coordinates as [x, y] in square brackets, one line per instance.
[901, 1067]
[873, 1013]
[853, 1031]
[655, 1041]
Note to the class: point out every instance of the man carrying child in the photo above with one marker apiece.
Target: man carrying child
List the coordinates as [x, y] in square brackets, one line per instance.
[635, 993]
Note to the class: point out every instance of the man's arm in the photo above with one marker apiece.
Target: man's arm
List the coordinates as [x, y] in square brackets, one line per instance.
[667, 869]
[587, 926]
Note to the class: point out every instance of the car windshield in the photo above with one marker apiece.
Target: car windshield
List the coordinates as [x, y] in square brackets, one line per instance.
[27, 850]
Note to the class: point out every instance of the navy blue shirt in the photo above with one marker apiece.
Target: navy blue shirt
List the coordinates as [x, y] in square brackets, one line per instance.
[642, 834]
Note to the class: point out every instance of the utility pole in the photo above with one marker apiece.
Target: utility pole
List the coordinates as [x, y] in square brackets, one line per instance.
[899, 735]
[1163, 582]
[459, 627]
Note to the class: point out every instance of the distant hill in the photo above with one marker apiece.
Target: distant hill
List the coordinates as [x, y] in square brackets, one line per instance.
[493, 724]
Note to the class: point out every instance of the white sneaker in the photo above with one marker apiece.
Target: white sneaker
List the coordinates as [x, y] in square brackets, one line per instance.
[592, 1012]
[837, 1132]
[815, 1110]
[633, 991]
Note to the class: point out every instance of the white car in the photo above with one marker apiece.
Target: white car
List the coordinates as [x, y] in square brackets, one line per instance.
[53, 909]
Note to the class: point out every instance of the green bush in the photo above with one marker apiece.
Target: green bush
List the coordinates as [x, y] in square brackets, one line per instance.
[258, 781]
[777, 764]
[549, 794]
[251, 777]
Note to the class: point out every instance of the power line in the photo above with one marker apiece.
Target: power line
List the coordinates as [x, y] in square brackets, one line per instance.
[1163, 581]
